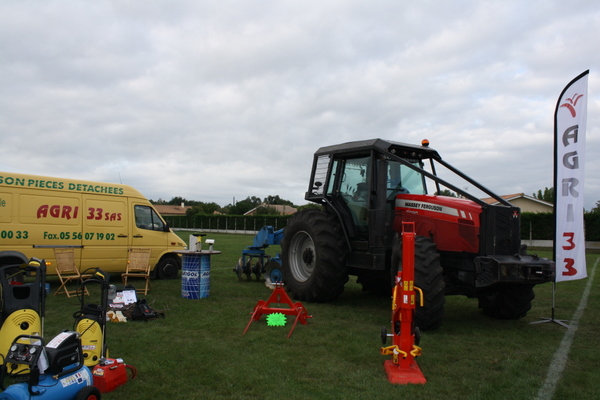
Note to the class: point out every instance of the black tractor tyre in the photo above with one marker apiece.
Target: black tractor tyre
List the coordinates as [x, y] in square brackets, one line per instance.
[508, 302]
[377, 283]
[168, 267]
[313, 253]
[429, 277]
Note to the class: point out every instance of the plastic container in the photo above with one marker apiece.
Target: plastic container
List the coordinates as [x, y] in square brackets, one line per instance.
[190, 276]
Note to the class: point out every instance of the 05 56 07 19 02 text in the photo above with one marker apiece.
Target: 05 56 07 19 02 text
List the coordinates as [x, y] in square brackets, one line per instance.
[79, 236]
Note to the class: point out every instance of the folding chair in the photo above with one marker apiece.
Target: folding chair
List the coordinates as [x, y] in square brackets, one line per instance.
[138, 266]
[67, 271]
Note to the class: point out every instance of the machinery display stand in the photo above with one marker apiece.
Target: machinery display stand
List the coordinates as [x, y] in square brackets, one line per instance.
[403, 368]
[195, 271]
[279, 296]
[265, 264]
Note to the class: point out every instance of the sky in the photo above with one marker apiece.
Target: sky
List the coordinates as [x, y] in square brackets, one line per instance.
[216, 101]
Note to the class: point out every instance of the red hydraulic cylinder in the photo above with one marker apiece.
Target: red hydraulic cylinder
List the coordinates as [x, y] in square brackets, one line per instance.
[403, 368]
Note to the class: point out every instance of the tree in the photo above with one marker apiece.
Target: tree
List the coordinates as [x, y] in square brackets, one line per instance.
[311, 206]
[276, 200]
[596, 210]
[446, 192]
[203, 208]
[546, 195]
[267, 210]
[243, 206]
[175, 201]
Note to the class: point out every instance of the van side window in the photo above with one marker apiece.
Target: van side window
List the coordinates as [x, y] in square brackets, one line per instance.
[147, 218]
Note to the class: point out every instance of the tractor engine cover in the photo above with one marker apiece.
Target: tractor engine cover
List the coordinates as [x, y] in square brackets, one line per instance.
[452, 223]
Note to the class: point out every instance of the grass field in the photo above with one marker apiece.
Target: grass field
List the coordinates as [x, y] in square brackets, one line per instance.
[198, 351]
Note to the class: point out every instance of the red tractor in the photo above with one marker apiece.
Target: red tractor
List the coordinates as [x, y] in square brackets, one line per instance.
[463, 245]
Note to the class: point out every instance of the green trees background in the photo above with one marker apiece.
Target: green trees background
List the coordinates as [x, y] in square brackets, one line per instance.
[536, 226]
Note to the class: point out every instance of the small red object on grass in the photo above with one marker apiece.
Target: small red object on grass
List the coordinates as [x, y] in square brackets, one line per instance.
[279, 296]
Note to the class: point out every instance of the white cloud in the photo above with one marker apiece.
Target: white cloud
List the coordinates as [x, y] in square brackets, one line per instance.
[211, 100]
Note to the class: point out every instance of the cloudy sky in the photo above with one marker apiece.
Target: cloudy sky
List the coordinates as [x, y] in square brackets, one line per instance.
[216, 100]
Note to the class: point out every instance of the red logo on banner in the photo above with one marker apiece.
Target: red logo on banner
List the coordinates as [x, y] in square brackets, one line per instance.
[569, 161]
[572, 103]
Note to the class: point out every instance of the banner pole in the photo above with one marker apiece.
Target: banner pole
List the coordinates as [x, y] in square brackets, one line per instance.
[568, 247]
[552, 319]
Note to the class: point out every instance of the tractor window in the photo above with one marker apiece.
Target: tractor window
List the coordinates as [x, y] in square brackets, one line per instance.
[354, 188]
[402, 179]
[331, 188]
[354, 179]
[320, 175]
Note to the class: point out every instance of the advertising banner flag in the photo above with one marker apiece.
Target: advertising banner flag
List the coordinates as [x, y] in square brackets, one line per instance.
[570, 119]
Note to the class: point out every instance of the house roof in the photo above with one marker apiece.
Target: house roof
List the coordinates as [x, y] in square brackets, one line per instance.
[283, 210]
[512, 197]
[165, 209]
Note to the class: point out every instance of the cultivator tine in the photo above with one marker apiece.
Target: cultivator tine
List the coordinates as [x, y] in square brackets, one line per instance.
[239, 269]
[258, 270]
[248, 270]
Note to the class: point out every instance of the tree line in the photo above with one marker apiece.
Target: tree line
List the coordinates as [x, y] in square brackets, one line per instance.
[243, 206]
[547, 195]
[237, 208]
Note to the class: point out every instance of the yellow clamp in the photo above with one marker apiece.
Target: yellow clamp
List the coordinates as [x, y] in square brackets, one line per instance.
[416, 351]
[395, 350]
[421, 295]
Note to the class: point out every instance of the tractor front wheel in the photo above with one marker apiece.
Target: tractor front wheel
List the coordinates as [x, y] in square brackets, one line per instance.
[314, 256]
[509, 302]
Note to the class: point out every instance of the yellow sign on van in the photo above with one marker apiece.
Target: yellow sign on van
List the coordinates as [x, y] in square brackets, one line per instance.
[100, 221]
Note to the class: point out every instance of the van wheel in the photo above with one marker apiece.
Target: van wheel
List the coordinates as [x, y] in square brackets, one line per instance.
[168, 268]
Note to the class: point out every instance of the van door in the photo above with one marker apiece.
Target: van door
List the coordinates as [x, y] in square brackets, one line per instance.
[45, 220]
[105, 235]
[148, 230]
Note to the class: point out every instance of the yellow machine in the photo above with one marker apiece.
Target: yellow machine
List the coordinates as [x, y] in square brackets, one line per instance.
[23, 302]
[90, 320]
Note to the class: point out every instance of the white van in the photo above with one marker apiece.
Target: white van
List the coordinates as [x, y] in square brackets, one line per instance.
[101, 221]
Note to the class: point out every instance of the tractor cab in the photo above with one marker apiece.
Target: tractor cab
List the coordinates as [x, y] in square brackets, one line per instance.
[350, 178]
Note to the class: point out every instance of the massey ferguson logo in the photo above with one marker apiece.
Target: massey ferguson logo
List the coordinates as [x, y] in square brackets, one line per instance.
[572, 103]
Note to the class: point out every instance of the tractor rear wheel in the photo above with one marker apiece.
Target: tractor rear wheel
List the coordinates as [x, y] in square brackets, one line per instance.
[510, 302]
[314, 257]
[428, 277]
[376, 283]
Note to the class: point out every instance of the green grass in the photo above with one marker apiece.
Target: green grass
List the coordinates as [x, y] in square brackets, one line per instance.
[198, 350]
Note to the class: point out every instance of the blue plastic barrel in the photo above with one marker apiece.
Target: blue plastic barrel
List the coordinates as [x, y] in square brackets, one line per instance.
[195, 276]
[204, 276]
[190, 276]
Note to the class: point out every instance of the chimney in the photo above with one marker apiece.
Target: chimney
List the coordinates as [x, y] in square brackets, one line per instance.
[182, 204]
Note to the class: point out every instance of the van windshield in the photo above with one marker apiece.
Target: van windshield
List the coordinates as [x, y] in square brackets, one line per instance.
[147, 218]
